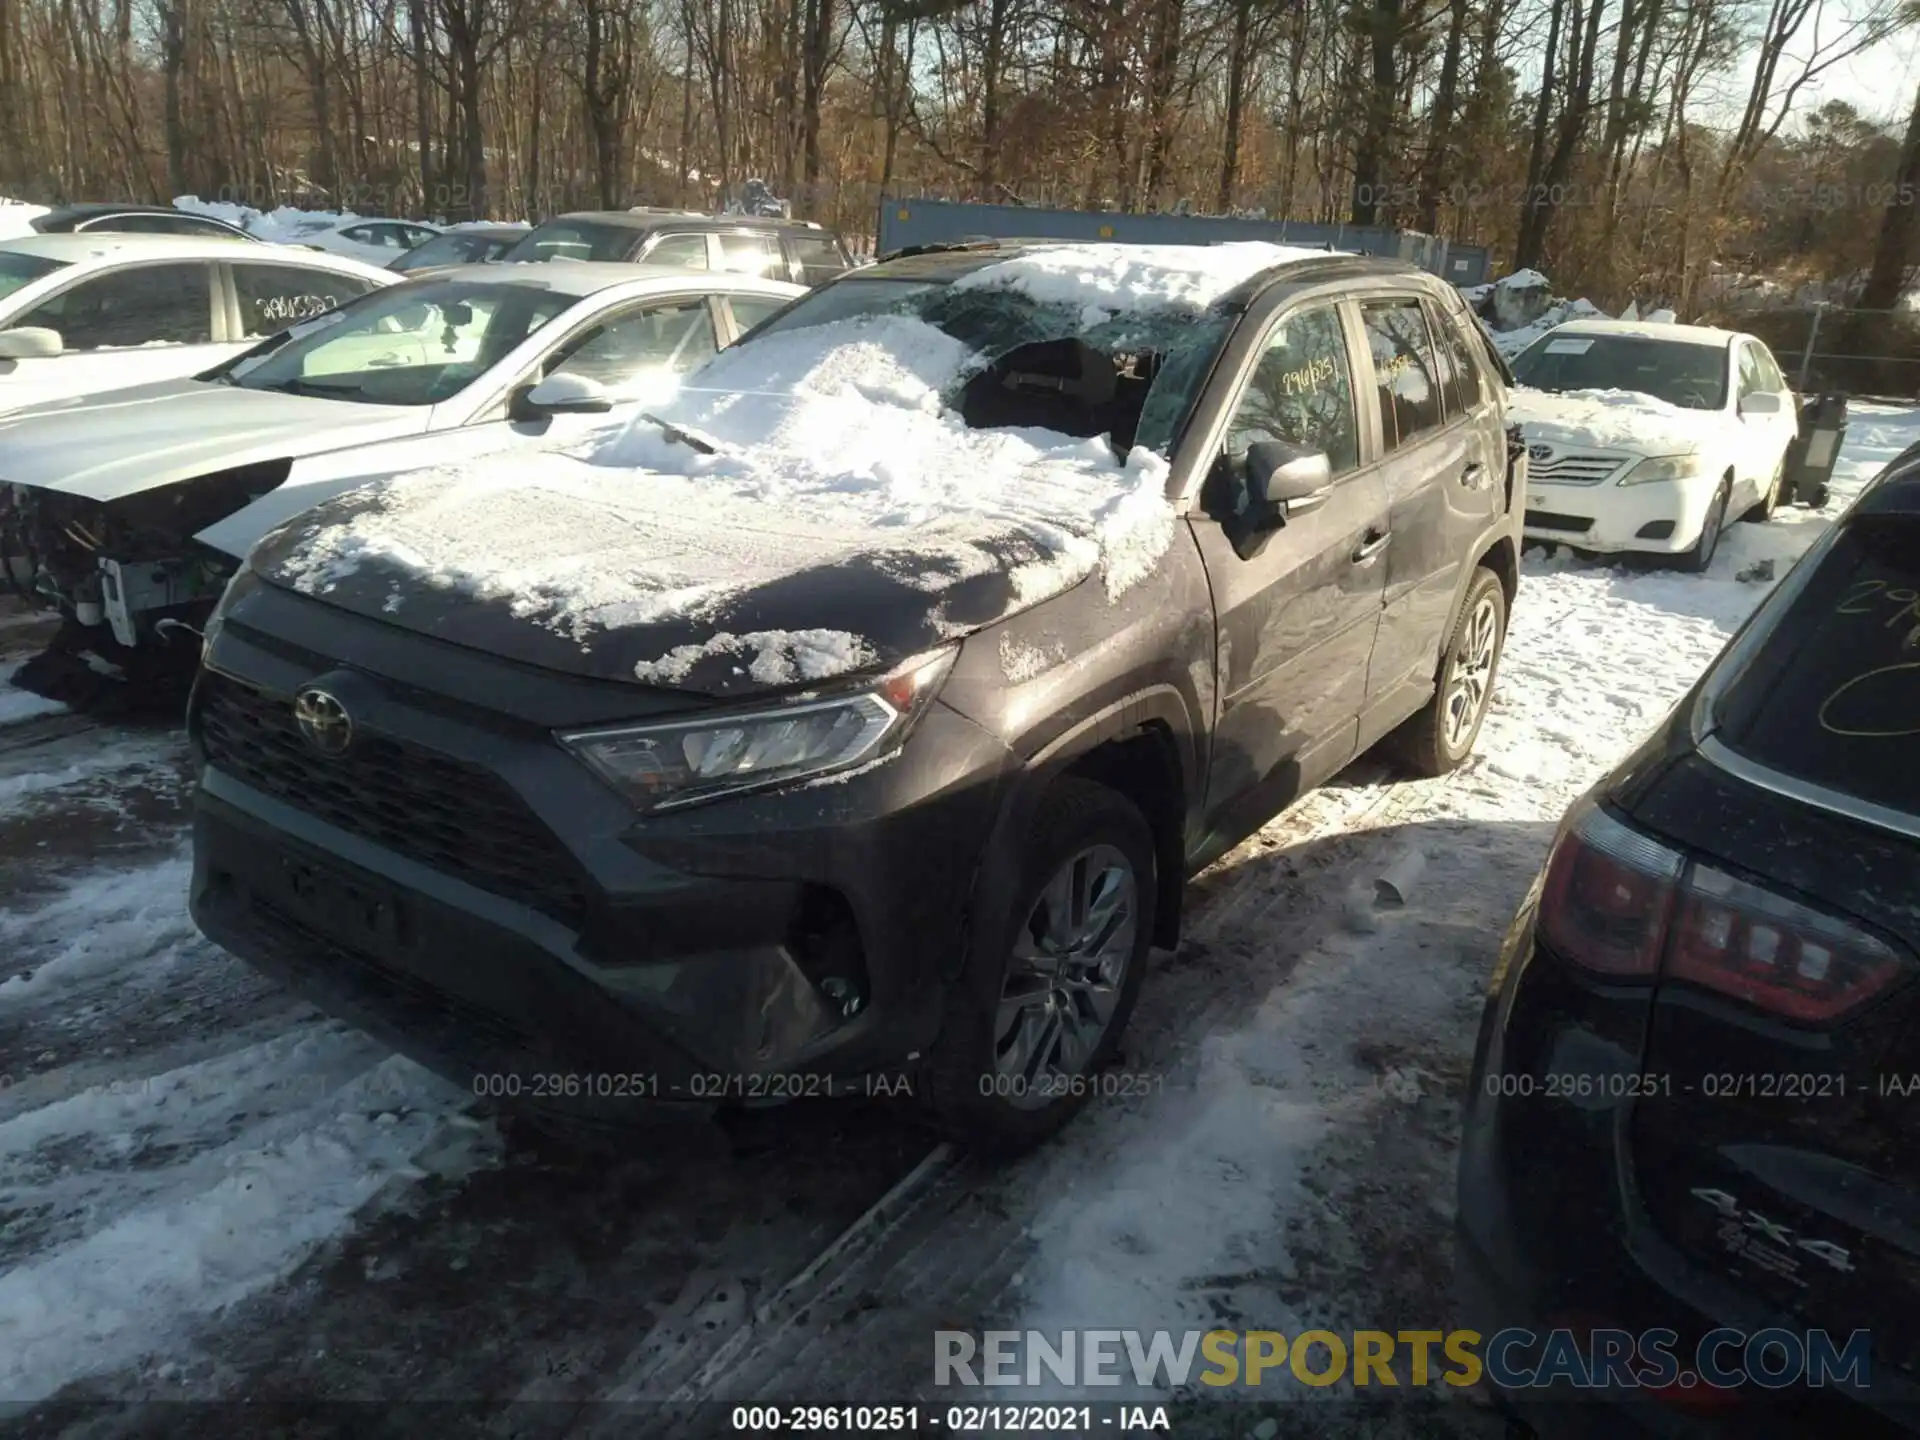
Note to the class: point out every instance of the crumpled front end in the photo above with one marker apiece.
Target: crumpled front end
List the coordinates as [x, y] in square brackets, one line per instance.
[123, 566]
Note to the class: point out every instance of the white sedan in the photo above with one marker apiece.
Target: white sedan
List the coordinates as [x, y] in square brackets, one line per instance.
[378, 242]
[87, 312]
[460, 363]
[1648, 437]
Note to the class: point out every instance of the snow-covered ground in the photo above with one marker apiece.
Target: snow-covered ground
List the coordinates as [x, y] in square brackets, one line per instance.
[204, 1184]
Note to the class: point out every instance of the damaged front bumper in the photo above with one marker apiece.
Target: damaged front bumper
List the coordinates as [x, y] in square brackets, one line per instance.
[126, 567]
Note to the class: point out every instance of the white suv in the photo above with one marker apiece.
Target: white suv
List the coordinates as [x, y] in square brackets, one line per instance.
[90, 312]
[1647, 437]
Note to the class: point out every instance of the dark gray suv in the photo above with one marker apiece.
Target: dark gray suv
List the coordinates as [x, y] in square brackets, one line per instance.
[856, 724]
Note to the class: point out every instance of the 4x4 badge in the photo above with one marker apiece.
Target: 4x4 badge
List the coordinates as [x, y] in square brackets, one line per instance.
[1838, 1256]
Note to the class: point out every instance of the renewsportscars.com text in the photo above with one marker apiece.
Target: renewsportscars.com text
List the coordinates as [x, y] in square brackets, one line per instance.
[1513, 1359]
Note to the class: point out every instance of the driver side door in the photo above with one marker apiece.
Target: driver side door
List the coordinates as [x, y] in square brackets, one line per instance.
[1296, 607]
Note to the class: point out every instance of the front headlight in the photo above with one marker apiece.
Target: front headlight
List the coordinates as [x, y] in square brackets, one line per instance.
[682, 762]
[1662, 467]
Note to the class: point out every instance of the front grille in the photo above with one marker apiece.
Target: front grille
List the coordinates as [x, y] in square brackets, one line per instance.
[1575, 467]
[457, 818]
[1548, 520]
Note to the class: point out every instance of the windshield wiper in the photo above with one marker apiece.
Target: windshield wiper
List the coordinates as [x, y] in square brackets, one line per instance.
[326, 389]
[679, 436]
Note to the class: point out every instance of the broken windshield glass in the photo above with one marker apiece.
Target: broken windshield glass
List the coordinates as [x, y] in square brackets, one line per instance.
[1079, 370]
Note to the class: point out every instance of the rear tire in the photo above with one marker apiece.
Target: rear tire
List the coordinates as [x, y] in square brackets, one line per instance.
[1696, 560]
[1438, 740]
[1041, 1006]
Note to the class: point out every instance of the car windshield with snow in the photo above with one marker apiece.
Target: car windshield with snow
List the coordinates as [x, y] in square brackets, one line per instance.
[861, 709]
[126, 511]
[1647, 436]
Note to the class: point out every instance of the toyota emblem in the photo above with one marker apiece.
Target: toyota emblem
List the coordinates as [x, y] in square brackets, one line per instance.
[323, 720]
[1540, 452]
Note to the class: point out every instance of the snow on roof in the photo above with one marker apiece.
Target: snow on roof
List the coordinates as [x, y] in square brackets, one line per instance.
[1524, 280]
[832, 444]
[1105, 279]
[1606, 420]
[16, 217]
[1650, 328]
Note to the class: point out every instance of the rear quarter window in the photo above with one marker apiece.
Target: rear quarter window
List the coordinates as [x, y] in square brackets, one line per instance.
[1833, 694]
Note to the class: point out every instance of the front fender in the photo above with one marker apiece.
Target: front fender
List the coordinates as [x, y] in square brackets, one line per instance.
[314, 478]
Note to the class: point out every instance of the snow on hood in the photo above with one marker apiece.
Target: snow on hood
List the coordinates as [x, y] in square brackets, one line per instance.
[846, 518]
[1609, 420]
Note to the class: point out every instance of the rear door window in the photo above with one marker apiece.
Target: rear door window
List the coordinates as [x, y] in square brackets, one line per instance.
[1833, 696]
[749, 253]
[1404, 370]
[819, 256]
[1459, 376]
[272, 297]
[683, 252]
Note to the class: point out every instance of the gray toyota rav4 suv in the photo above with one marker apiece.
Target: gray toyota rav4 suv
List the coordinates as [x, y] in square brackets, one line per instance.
[854, 720]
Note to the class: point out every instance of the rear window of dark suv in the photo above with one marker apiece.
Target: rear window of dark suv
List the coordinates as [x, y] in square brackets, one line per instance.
[1832, 696]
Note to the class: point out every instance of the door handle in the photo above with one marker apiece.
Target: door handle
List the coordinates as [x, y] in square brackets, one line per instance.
[1375, 542]
[1474, 475]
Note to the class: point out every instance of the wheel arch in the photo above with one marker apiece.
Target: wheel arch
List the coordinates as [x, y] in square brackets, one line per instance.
[1141, 746]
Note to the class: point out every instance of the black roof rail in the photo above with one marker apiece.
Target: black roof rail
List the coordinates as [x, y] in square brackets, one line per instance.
[938, 247]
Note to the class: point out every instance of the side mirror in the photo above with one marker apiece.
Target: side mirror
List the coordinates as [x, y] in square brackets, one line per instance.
[561, 394]
[1761, 402]
[1285, 479]
[31, 342]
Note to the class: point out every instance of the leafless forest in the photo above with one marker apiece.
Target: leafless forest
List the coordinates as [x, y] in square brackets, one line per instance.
[1619, 144]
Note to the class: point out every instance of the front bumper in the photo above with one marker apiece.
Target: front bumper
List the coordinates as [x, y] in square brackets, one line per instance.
[758, 948]
[1661, 517]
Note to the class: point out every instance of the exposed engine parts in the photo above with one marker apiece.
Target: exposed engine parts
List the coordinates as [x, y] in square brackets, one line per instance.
[125, 565]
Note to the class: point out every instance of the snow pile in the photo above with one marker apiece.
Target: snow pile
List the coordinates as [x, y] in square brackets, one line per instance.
[1519, 308]
[16, 217]
[284, 225]
[827, 444]
[1606, 420]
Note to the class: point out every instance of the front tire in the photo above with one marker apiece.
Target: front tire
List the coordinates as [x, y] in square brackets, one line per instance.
[1438, 740]
[1040, 1008]
[1696, 560]
[1764, 507]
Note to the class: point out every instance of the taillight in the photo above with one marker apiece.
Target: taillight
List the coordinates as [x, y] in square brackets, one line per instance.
[1607, 896]
[1772, 952]
[1619, 904]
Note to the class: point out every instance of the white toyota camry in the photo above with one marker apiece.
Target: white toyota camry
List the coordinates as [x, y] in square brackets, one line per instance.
[1647, 437]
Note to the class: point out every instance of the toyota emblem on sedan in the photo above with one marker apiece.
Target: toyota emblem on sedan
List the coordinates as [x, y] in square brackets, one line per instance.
[323, 720]
[1540, 452]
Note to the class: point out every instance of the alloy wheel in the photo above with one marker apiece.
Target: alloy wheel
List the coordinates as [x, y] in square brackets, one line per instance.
[1470, 677]
[1064, 978]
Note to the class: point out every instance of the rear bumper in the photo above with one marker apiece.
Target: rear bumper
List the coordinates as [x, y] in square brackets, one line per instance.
[1550, 1234]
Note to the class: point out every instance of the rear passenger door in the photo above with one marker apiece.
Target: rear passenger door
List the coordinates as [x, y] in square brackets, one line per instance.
[1442, 493]
[1295, 608]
